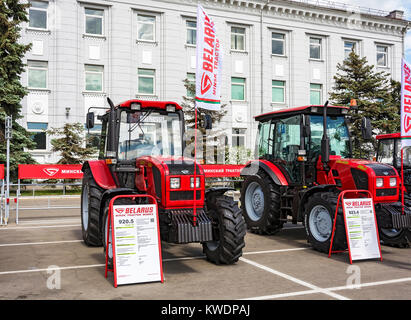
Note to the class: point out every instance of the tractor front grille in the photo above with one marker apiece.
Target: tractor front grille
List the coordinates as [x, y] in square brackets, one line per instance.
[184, 195]
[386, 192]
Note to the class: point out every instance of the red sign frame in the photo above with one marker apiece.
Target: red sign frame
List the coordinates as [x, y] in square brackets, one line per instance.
[1, 171]
[50, 171]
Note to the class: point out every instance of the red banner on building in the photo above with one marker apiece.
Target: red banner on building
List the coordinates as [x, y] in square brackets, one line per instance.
[1, 171]
[222, 170]
[50, 171]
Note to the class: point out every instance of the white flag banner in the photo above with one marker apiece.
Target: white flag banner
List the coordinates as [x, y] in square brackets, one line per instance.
[209, 63]
[405, 104]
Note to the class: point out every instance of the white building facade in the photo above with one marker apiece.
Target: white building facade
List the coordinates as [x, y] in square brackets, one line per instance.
[277, 54]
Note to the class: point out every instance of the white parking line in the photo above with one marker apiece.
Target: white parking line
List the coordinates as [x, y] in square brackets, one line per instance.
[39, 227]
[298, 281]
[37, 243]
[56, 220]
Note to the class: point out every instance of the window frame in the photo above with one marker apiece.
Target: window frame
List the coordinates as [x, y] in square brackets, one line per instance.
[320, 45]
[46, 69]
[188, 28]
[278, 87]
[93, 72]
[191, 80]
[94, 16]
[235, 37]
[238, 84]
[384, 53]
[238, 136]
[39, 9]
[354, 48]
[320, 91]
[37, 131]
[279, 40]
[146, 76]
[153, 24]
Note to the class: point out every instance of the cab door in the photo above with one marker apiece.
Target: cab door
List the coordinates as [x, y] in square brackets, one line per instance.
[287, 141]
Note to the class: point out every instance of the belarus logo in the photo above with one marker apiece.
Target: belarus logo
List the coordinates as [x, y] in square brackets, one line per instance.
[205, 83]
[348, 203]
[120, 210]
[407, 123]
[51, 171]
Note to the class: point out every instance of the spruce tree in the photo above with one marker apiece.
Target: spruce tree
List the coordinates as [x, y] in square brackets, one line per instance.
[376, 96]
[12, 14]
[72, 146]
[210, 153]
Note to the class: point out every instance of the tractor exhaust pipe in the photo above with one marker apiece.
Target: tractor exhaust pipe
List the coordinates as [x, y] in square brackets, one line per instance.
[112, 124]
[325, 141]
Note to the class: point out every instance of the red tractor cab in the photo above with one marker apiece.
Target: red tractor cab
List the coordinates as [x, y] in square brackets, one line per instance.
[304, 160]
[142, 152]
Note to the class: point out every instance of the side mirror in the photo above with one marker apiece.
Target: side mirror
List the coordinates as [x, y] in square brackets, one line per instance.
[307, 127]
[90, 120]
[366, 129]
[207, 122]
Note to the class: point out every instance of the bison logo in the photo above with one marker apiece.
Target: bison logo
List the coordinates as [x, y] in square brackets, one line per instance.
[120, 210]
[51, 171]
[205, 83]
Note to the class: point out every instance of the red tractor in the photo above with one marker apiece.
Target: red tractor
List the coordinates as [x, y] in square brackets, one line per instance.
[389, 152]
[141, 152]
[304, 162]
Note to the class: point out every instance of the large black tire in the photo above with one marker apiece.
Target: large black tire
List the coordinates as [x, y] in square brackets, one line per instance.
[319, 212]
[260, 202]
[399, 238]
[91, 196]
[229, 230]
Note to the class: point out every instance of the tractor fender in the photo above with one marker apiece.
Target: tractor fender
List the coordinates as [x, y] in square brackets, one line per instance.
[216, 191]
[252, 168]
[110, 193]
[306, 193]
[101, 173]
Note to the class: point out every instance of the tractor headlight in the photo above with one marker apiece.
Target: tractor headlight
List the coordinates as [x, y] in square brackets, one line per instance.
[393, 182]
[197, 182]
[175, 183]
[170, 108]
[380, 182]
[135, 106]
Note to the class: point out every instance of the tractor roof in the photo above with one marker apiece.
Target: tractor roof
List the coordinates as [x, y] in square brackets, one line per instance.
[150, 104]
[283, 113]
[389, 136]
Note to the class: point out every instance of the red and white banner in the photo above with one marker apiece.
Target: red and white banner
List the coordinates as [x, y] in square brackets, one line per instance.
[1, 171]
[222, 170]
[50, 171]
[209, 63]
[405, 104]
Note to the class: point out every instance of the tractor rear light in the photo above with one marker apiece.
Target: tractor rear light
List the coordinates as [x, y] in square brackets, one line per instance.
[197, 182]
[393, 182]
[301, 158]
[379, 182]
[170, 108]
[175, 183]
[111, 161]
[135, 106]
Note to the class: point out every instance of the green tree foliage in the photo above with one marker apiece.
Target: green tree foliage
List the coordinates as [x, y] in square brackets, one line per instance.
[12, 14]
[213, 140]
[377, 99]
[71, 145]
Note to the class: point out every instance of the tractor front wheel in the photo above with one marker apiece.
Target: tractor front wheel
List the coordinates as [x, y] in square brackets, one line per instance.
[319, 220]
[228, 231]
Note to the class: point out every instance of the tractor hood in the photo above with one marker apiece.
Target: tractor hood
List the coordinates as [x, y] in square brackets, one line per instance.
[173, 165]
[381, 179]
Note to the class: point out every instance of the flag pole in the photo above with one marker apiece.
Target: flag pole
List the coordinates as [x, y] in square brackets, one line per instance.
[402, 178]
[195, 167]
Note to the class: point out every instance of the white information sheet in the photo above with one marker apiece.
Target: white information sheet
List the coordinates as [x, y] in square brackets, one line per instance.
[361, 228]
[137, 245]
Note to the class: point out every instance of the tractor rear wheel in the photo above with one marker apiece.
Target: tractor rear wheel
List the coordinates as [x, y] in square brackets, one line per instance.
[91, 196]
[260, 202]
[319, 215]
[228, 231]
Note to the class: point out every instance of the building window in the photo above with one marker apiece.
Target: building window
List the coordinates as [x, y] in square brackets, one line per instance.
[38, 134]
[93, 136]
[315, 48]
[238, 137]
[191, 77]
[382, 56]
[238, 89]
[315, 94]
[38, 14]
[94, 21]
[349, 46]
[277, 43]
[37, 74]
[94, 78]
[145, 27]
[278, 91]
[238, 38]
[191, 32]
[146, 81]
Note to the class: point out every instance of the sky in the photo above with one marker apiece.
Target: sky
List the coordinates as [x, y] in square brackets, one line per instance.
[389, 5]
